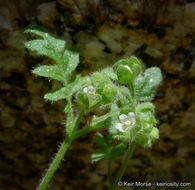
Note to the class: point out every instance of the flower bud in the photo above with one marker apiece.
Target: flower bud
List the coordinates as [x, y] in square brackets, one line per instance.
[121, 62]
[124, 74]
[135, 65]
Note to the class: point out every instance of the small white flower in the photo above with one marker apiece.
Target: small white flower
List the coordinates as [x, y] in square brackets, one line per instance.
[90, 90]
[127, 121]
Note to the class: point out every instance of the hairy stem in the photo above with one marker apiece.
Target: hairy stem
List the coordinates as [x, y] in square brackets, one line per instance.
[54, 165]
[124, 164]
[77, 120]
[86, 130]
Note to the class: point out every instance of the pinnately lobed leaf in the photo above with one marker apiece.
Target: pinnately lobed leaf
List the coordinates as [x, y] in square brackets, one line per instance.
[66, 59]
[48, 46]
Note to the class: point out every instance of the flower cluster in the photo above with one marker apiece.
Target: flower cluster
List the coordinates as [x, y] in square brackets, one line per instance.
[90, 90]
[127, 122]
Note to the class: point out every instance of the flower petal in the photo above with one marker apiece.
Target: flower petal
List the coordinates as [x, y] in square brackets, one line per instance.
[85, 90]
[91, 88]
[119, 126]
[131, 115]
[133, 120]
[123, 118]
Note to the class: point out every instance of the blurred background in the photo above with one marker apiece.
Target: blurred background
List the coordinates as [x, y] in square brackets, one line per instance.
[160, 33]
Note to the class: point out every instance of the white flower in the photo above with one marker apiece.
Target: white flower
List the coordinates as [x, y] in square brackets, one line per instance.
[127, 121]
[90, 90]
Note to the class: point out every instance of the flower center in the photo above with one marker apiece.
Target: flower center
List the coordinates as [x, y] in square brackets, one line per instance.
[127, 123]
[91, 92]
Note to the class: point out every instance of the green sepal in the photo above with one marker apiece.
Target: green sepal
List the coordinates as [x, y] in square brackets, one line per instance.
[109, 72]
[147, 128]
[94, 101]
[108, 94]
[83, 100]
[145, 107]
[125, 74]
[117, 151]
[101, 141]
[154, 134]
[135, 65]
[124, 96]
[144, 141]
[52, 72]
[56, 94]
[98, 80]
[97, 155]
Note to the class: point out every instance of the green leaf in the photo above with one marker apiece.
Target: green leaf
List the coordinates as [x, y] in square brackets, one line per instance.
[54, 48]
[97, 155]
[75, 85]
[153, 76]
[144, 85]
[48, 46]
[124, 96]
[37, 32]
[117, 151]
[70, 61]
[56, 94]
[101, 141]
[52, 72]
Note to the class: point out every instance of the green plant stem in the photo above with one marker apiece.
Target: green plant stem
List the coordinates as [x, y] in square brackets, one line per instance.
[77, 120]
[110, 172]
[54, 165]
[132, 90]
[124, 164]
[59, 156]
[86, 130]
